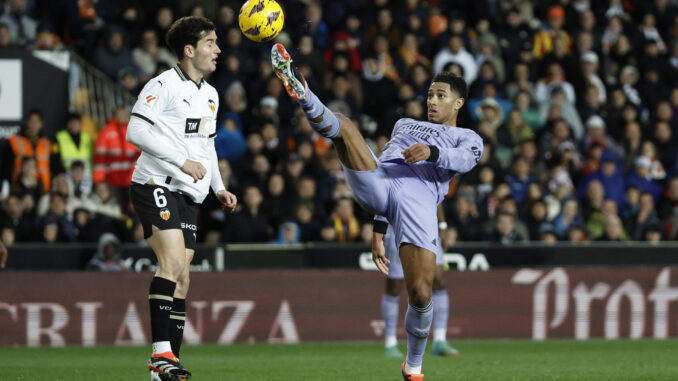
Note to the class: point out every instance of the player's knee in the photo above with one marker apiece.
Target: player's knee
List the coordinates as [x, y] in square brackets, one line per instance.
[175, 266]
[182, 285]
[420, 294]
[438, 284]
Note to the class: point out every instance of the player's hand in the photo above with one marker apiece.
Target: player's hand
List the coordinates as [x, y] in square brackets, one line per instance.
[3, 256]
[194, 169]
[228, 201]
[379, 254]
[416, 153]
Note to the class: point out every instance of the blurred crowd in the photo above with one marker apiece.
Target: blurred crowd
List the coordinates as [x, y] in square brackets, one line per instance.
[576, 100]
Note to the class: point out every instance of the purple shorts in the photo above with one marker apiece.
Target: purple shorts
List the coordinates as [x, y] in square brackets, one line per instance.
[397, 193]
[395, 268]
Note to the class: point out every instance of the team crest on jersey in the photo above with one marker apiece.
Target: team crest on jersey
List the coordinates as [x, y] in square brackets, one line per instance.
[211, 105]
[165, 214]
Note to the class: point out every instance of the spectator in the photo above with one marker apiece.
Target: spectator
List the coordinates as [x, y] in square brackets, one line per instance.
[308, 225]
[544, 38]
[104, 201]
[345, 223]
[315, 26]
[147, 55]
[464, 217]
[568, 216]
[288, 233]
[609, 175]
[115, 157]
[56, 224]
[82, 186]
[107, 258]
[547, 234]
[577, 234]
[457, 53]
[668, 204]
[640, 178]
[646, 217]
[555, 79]
[5, 36]
[504, 230]
[653, 234]
[614, 231]
[595, 134]
[656, 171]
[22, 27]
[114, 55]
[32, 144]
[519, 179]
[595, 224]
[74, 144]
[16, 220]
[278, 202]
[62, 186]
[249, 216]
[230, 143]
[536, 217]
[515, 130]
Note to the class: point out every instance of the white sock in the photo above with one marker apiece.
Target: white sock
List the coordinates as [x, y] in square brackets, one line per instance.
[161, 347]
[412, 369]
[439, 334]
[390, 341]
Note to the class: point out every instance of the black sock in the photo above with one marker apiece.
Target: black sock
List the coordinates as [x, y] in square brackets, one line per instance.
[160, 301]
[177, 319]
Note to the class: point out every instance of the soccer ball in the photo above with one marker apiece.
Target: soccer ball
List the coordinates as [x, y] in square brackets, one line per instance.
[261, 20]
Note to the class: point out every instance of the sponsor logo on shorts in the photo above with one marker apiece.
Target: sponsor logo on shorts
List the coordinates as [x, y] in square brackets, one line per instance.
[189, 226]
[165, 214]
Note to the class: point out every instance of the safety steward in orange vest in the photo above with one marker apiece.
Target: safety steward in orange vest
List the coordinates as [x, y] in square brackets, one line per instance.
[30, 143]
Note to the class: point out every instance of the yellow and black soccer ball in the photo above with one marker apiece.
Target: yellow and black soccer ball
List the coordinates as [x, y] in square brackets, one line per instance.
[261, 20]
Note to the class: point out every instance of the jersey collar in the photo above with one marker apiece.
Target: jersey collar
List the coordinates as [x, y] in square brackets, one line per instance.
[184, 76]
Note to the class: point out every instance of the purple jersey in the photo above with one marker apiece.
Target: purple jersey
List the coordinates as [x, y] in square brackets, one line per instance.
[460, 150]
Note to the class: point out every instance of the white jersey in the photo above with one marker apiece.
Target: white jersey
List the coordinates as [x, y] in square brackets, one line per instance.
[182, 117]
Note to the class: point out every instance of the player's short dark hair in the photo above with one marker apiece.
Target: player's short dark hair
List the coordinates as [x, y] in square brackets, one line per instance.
[187, 31]
[457, 84]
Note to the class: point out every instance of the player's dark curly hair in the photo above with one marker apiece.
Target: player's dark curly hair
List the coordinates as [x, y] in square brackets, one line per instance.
[457, 84]
[187, 31]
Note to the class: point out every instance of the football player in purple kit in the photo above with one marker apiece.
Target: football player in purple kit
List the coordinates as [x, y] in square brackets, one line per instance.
[404, 186]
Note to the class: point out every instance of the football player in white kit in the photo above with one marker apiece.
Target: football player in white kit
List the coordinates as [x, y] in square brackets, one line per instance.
[174, 124]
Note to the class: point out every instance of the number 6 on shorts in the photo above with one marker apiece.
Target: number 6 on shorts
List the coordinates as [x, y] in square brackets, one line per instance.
[160, 199]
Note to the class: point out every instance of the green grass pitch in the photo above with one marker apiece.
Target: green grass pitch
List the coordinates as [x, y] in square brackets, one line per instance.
[480, 360]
